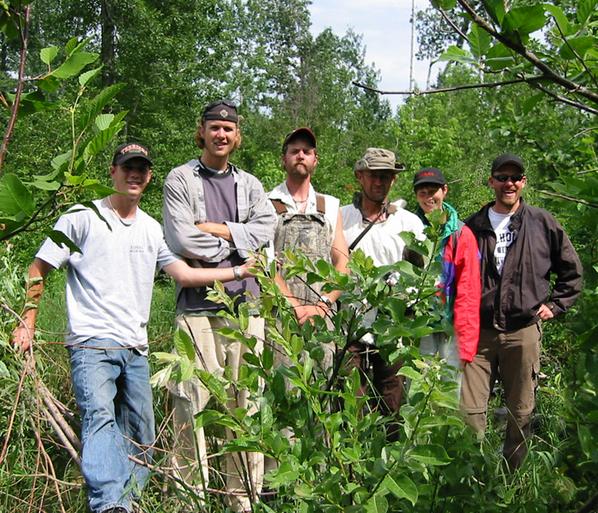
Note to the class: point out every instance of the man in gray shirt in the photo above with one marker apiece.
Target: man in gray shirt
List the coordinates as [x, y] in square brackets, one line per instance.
[215, 215]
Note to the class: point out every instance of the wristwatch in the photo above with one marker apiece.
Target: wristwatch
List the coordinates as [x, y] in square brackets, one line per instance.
[237, 273]
[326, 300]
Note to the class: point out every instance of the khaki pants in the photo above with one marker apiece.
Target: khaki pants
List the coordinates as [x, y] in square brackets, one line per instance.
[244, 470]
[514, 356]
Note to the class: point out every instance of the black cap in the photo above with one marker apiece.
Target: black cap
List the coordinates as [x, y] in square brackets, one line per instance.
[299, 133]
[429, 175]
[221, 110]
[128, 151]
[507, 158]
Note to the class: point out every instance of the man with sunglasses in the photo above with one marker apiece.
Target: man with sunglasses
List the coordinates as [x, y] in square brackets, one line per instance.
[109, 286]
[373, 224]
[215, 215]
[520, 246]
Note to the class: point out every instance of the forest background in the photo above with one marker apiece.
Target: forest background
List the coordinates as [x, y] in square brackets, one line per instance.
[79, 77]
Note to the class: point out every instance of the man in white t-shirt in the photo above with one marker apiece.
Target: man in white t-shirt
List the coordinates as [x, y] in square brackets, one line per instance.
[520, 247]
[374, 225]
[307, 221]
[108, 295]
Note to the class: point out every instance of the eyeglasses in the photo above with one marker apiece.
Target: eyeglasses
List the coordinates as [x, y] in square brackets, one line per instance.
[506, 178]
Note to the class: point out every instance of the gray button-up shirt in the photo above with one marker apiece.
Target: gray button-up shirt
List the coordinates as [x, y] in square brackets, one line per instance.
[184, 206]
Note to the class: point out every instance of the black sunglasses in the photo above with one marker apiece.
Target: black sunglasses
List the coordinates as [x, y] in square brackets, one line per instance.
[505, 178]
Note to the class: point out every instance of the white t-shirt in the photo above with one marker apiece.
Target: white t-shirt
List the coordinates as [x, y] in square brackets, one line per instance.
[331, 204]
[109, 284]
[504, 237]
[382, 242]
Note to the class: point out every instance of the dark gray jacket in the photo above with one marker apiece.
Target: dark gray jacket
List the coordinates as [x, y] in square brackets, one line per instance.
[541, 247]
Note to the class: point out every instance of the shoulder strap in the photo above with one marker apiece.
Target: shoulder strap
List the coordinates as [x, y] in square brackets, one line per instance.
[320, 203]
[279, 206]
[455, 238]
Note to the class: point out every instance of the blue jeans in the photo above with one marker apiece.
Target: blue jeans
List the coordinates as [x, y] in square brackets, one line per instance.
[112, 389]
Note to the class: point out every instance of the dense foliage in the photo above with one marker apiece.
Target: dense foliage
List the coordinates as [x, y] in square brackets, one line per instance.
[76, 78]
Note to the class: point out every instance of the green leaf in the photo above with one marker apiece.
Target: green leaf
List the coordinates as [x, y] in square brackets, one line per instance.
[401, 487]
[88, 75]
[60, 162]
[585, 9]
[183, 344]
[103, 121]
[95, 106]
[524, 20]
[71, 45]
[479, 41]
[430, 454]
[267, 358]
[101, 140]
[74, 64]
[14, 196]
[377, 504]
[162, 357]
[99, 189]
[161, 378]
[49, 84]
[446, 5]
[410, 373]
[45, 185]
[47, 55]
[559, 18]
[62, 240]
[496, 10]
[456, 54]
[531, 102]
[579, 45]
[206, 418]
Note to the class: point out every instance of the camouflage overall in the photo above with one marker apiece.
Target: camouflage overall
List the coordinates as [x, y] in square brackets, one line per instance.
[308, 233]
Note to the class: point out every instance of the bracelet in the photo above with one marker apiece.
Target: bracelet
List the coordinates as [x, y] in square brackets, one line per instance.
[237, 273]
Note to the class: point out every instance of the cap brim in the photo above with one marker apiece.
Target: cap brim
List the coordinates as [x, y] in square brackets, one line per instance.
[129, 156]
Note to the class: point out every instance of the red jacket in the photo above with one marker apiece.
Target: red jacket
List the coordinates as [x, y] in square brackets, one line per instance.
[461, 285]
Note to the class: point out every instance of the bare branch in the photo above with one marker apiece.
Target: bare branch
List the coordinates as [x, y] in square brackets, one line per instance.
[547, 71]
[450, 89]
[20, 82]
[567, 101]
[452, 24]
[568, 198]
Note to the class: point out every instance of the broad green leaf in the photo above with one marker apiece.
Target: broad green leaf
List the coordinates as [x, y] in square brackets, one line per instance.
[456, 54]
[101, 140]
[496, 10]
[95, 106]
[74, 64]
[410, 373]
[579, 45]
[47, 55]
[377, 504]
[73, 180]
[430, 454]
[71, 45]
[585, 8]
[401, 487]
[45, 185]
[559, 18]
[14, 196]
[99, 189]
[49, 84]
[531, 102]
[3, 370]
[444, 4]
[62, 240]
[267, 358]
[163, 357]
[186, 369]
[524, 20]
[161, 378]
[31, 102]
[88, 75]
[206, 418]
[103, 121]
[60, 162]
[183, 344]
[479, 41]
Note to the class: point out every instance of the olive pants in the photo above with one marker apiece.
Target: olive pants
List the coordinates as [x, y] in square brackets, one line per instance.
[514, 358]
